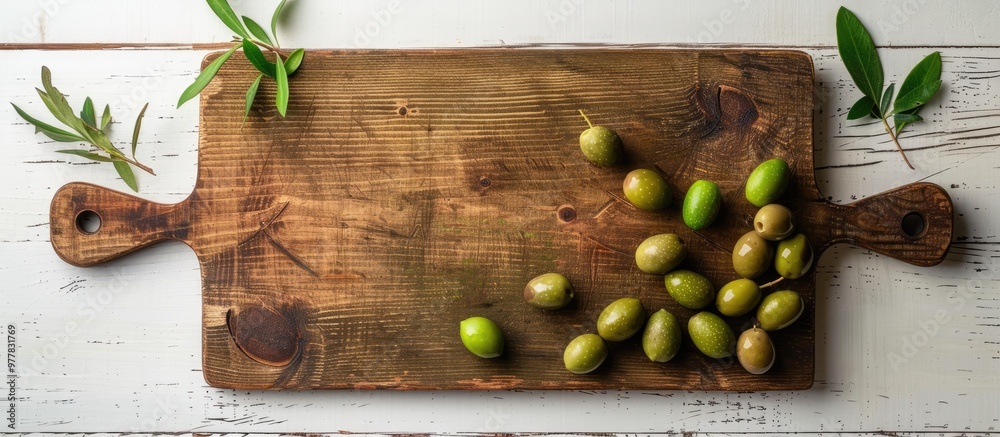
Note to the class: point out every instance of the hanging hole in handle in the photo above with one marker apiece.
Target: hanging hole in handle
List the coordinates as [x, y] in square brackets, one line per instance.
[88, 222]
[914, 225]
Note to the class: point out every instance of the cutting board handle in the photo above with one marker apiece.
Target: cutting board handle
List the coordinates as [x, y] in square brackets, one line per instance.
[912, 223]
[90, 224]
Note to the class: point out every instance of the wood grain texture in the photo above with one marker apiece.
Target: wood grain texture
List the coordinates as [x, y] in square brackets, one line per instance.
[408, 190]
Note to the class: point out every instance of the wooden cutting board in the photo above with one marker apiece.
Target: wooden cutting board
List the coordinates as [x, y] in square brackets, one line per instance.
[407, 190]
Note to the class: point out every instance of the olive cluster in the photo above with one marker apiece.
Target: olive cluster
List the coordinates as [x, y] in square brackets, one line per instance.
[753, 255]
[772, 242]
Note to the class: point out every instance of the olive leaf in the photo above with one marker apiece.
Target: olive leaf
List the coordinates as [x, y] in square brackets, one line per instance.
[253, 39]
[857, 49]
[906, 118]
[918, 97]
[87, 114]
[84, 129]
[49, 130]
[251, 94]
[294, 60]
[106, 117]
[86, 154]
[57, 104]
[228, 16]
[862, 108]
[927, 70]
[257, 31]
[205, 77]
[281, 96]
[274, 21]
[257, 59]
[126, 173]
[886, 99]
[135, 130]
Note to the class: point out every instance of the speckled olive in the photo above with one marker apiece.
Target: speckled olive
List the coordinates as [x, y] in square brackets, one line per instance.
[793, 257]
[774, 222]
[752, 255]
[621, 319]
[600, 145]
[548, 291]
[585, 353]
[481, 337]
[660, 254]
[767, 182]
[779, 309]
[738, 297]
[689, 289]
[701, 204]
[755, 351]
[662, 338]
[647, 190]
[711, 335]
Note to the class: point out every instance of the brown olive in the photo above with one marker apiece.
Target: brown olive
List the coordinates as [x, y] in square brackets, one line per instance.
[755, 351]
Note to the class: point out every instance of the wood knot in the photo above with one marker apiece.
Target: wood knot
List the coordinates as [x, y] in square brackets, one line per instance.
[402, 111]
[485, 182]
[266, 335]
[737, 107]
[725, 107]
[566, 213]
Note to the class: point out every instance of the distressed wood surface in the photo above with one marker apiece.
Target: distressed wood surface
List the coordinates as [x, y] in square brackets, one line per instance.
[341, 246]
[869, 309]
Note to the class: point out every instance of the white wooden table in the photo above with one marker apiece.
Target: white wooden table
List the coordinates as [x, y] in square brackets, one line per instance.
[117, 348]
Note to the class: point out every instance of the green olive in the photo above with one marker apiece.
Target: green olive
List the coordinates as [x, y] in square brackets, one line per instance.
[549, 291]
[662, 338]
[755, 351]
[585, 353]
[481, 336]
[701, 204]
[711, 335]
[660, 254]
[779, 309]
[689, 289]
[751, 256]
[774, 222]
[600, 145]
[647, 190]
[793, 257]
[738, 297]
[621, 319]
[767, 182]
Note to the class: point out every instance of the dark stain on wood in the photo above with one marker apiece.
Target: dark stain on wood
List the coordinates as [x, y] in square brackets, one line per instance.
[266, 335]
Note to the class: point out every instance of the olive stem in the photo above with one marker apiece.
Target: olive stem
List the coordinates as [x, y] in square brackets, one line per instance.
[142, 167]
[896, 141]
[585, 118]
[121, 156]
[772, 283]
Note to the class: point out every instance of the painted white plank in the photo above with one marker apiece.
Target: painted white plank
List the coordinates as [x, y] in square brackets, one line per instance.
[456, 23]
[132, 360]
[689, 434]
